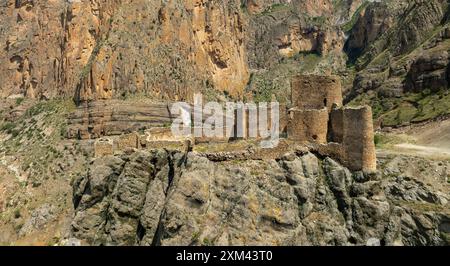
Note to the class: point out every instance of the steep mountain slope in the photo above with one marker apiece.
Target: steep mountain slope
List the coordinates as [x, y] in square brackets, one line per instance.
[401, 60]
[292, 37]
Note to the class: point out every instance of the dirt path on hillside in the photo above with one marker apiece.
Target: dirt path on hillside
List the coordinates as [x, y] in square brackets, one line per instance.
[435, 134]
[427, 151]
[430, 140]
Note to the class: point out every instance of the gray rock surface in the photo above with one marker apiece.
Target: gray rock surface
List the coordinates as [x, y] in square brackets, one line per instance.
[164, 198]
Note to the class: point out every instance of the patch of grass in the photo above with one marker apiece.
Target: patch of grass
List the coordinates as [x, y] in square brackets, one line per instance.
[276, 8]
[8, 127]
[350, 24]
[433, 105]
[19, 101]
[319, 21]
[384, 140]
[195, 236]
[207, 242]
[402, 114]
[413, 107]
[310, 60]
[378, 139]
[425, 106]
[446, 237]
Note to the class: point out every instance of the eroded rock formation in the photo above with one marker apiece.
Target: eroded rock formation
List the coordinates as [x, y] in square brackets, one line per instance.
[170, 198]
[109, 49]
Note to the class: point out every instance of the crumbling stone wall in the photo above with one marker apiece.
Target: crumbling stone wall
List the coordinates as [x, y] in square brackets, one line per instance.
[316, 92]
[103, 147]
[248, 121]
[128, 141]
[308, 125]
[317, 118]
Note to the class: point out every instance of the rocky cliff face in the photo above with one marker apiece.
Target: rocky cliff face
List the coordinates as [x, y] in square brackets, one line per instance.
[30, 44]
[92, 50]
[166, 198]
[95, 49]
[170, 50]
[107, 49]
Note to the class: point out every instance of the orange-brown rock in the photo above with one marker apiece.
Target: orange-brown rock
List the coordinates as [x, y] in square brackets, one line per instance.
[101, 49]
[109, 118]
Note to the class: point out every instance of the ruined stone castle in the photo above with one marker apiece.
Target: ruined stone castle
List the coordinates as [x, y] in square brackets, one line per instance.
[316, 119]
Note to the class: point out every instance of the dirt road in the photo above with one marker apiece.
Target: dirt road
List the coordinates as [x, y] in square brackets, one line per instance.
[429, 140]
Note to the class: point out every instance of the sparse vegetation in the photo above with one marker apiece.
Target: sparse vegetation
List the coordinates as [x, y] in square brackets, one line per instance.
[207, 242]
[17, 214]
[276, 81]
[19, 101]
[350, 24]
[36, 136]
[276, 8]
[385, 140]
[195, 236]
[412, 108]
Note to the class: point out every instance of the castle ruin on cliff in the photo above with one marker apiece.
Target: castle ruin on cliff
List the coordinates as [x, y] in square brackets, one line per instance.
[316, 119]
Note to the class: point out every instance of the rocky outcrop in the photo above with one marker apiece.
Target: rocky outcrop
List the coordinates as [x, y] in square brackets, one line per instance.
[47, 44]
[399, 48]
[375, 21]
[170, 198]
[96, 119]
[282, 33]
[430, 70]
[207, 38]
[400, 30]
[31, 47]
[98, 50]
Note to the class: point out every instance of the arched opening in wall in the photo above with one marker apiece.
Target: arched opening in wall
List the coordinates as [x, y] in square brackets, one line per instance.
[315, 137]
[325, 102]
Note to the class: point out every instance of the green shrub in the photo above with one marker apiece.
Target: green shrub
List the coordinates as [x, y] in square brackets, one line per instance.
[19, 101]
[378, 139]
[8, 126]
[17, 214]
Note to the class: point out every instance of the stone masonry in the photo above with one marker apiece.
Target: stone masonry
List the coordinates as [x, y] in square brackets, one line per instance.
[319, 118]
